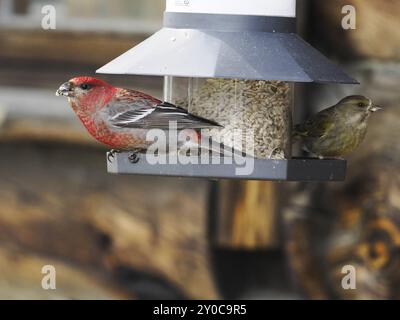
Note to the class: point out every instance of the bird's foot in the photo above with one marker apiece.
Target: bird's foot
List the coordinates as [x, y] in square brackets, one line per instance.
[111, 155]
[134, 157]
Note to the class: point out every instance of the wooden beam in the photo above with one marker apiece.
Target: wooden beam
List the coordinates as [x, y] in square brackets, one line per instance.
[244, 213]
[88, 48]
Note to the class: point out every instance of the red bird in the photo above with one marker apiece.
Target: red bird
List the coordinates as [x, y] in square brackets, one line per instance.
[120, 118]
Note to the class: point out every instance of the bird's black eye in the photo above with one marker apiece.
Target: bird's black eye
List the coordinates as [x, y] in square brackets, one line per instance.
[361, 105]
[85, 86]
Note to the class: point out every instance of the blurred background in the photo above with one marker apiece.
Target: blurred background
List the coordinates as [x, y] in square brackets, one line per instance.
[131, 237]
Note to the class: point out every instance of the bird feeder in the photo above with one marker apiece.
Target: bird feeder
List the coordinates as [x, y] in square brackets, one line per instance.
[234, 62]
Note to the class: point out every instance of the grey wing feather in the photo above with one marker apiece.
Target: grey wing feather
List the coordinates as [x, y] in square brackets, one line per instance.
[159, 117]
[317, 126]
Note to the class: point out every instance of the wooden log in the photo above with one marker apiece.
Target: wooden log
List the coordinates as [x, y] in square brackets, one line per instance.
[90, 48]
[144, 233]
[376, 35]
[42, 130]
[245, 215]
[21, 278]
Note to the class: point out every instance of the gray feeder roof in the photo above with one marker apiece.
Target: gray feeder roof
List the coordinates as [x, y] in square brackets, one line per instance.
[221, 54]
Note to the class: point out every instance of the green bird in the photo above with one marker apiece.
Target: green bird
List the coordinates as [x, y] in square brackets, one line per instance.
[337, 131]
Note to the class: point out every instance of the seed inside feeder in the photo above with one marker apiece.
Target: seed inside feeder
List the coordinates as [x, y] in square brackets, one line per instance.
[255, 115]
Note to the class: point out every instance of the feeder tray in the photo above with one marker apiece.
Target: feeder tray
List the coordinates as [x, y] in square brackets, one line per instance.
[274, 170]
[246, 46]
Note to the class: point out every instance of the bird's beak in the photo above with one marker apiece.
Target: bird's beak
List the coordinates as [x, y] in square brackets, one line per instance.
[375, 108]
[64, 90]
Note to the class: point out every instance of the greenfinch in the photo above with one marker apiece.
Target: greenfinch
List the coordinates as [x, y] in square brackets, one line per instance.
[337, 131]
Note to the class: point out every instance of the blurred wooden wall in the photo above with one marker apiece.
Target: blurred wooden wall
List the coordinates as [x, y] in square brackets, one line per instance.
[328, 226]
[375, 37]
[107, 236]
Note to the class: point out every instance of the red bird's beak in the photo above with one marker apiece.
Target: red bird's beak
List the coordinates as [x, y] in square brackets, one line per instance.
[64, 90]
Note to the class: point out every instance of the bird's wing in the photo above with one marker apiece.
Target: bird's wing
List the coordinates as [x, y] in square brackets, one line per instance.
[317, 126]
[143, 115]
